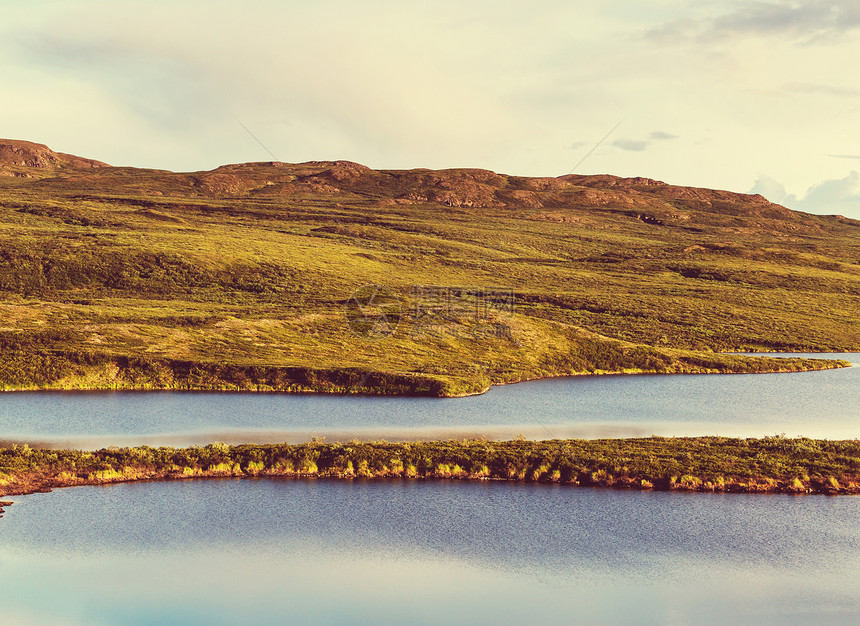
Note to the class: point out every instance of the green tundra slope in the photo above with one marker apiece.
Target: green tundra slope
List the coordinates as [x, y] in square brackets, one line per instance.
[329, 276]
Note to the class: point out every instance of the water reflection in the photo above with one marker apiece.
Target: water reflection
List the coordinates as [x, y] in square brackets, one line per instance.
[276, 551]
[815, 404]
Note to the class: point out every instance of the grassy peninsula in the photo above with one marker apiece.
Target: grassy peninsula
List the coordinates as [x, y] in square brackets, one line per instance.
[251, 277]
[714, 464]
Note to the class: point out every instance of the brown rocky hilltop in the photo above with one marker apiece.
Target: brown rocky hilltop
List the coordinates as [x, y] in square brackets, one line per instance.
[573, 198]
[17, 157]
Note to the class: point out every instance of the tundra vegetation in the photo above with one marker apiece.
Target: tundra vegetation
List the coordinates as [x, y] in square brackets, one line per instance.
[241, 277]
[718, 464]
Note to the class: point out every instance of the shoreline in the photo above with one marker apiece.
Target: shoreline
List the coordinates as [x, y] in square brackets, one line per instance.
[770, 465]
[820, 365]
[850, 485]
[837, 364]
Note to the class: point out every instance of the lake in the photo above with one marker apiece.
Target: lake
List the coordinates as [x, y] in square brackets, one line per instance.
[273, 551]
[823, 404]
[442, 552]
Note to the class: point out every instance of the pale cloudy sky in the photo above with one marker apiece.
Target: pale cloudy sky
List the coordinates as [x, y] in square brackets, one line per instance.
[746, 95]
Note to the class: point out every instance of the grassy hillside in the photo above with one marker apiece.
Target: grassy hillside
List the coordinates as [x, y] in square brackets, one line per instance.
[329, 276]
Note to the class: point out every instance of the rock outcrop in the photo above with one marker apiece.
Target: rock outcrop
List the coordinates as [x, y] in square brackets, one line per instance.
[14, 154]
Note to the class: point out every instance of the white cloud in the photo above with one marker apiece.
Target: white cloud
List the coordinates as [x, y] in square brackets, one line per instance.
[808, 21]
[770, 189]
[631, 145]
[822, 89]
[640, 145]
[839, 196]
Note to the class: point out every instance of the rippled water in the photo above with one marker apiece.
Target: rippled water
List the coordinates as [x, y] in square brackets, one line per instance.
[364, 552]
[817, 404]
[395, 552]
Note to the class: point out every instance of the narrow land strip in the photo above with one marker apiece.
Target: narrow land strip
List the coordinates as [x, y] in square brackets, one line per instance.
[706, 464]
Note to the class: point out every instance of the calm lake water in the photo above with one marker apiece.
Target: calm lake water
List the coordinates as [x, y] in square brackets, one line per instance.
[364, 552]
[815, 404]
[447, 552]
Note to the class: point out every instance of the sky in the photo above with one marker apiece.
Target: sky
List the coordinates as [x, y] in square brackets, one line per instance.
[749, 96]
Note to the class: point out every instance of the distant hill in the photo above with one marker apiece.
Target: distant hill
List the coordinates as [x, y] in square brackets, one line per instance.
[545, 198]
[18, 156]
[131, 277]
